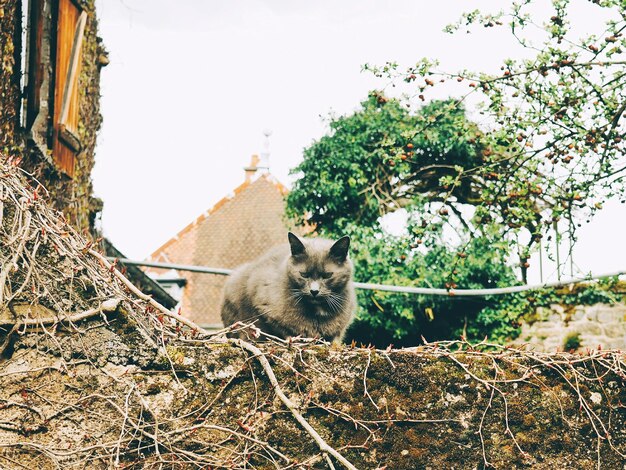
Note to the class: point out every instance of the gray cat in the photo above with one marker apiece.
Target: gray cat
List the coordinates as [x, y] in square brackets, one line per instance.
[301, 288]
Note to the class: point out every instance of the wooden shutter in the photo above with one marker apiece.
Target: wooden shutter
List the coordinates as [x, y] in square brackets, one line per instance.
[70, 28]
[35, 67]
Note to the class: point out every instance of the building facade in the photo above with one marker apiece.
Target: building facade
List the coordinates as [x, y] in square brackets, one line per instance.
[50, 99]
[237, 229]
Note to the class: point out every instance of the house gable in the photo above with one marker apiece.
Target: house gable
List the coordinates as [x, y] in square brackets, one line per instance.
[237, 229]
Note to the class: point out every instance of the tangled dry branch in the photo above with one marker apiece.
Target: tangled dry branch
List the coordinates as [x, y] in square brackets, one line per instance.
[95, 374]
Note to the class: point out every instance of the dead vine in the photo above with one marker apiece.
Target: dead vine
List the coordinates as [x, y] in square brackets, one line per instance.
[95, 374]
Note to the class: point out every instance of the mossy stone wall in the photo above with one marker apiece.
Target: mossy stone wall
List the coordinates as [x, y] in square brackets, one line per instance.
[72, 196]
[432, 407]
[10, 47]
[576, 327]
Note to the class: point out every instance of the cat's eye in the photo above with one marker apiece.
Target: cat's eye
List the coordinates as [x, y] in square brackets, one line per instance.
[327, 275]
[305, 275]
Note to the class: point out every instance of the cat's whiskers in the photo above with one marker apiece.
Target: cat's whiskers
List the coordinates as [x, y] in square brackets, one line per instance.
[332, 304]
[297, 295]
[337, 296]
[334, 301]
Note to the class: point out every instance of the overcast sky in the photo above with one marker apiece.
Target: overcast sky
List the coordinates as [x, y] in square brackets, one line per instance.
[193, 83]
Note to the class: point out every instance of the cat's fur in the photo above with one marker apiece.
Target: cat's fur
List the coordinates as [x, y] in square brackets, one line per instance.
[276, 291]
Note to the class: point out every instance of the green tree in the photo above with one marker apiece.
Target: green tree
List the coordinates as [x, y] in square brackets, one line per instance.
[385, 157]
[554, 151]
[558, 114]
[403, 319]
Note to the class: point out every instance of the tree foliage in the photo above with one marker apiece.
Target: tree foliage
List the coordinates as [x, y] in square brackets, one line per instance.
[403, 319]
[379, 159]
[555, 149]
[383, 158]
[550, 149]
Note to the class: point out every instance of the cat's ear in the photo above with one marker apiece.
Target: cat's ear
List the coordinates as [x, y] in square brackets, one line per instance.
[297, 247]
[339, 250]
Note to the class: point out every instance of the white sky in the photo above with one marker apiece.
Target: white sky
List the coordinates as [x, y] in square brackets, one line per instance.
[192, 84]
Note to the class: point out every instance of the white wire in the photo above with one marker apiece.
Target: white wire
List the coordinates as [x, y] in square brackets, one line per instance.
[388, 288]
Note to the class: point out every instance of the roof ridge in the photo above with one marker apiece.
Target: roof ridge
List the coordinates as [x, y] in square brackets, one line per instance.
[215, 207]
[272, 179]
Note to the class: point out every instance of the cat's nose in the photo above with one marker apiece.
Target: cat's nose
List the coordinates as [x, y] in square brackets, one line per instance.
[314, 288]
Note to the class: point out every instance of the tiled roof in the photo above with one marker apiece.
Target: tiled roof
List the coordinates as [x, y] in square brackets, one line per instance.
[237, 229]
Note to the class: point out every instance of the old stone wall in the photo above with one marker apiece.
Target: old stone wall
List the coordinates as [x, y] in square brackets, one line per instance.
[577, 328]
[73, 196]
[422, 408]
[10, 46]
[94, 374]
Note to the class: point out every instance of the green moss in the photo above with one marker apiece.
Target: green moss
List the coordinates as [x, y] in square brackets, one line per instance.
[174, 354]
[153, 388]
[418, 386]
[572, 341]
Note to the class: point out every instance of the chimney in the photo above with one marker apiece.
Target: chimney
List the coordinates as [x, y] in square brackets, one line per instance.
[264, 163]
[252, 169]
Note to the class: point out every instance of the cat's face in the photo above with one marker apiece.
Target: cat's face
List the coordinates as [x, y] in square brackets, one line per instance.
[319, 271]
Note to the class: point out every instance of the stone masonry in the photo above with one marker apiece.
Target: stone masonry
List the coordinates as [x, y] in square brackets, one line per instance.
[584, 326]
